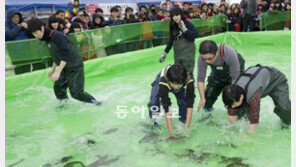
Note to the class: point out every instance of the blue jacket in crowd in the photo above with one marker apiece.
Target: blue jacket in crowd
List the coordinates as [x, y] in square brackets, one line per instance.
[12, 30]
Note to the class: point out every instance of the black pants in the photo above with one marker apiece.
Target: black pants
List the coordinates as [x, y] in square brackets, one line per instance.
[248, 20]
[279, 93]
[74, 79]
[214, 88]
[154, 103]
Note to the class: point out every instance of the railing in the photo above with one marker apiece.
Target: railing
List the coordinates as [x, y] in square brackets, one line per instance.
[33, 54]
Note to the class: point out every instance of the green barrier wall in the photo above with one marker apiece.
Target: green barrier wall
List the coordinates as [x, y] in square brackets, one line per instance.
[109, 40]
[38, 132]
[275, 20]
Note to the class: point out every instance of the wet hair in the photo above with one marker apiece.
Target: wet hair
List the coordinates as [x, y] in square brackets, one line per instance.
[34, 25]
[173, 25]
[74, 25]
[231, 94]
[208, 47]
[52, 19]
[114, 9]
[99, 10]
[177, 74]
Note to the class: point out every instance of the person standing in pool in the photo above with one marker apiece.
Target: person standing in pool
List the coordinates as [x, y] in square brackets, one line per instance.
[182, 36]
[226, 65]
[66, 55]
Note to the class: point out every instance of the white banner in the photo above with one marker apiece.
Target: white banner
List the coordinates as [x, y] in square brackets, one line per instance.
[107, 6]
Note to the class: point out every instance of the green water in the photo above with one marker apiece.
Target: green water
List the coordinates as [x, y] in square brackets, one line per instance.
[39, 132]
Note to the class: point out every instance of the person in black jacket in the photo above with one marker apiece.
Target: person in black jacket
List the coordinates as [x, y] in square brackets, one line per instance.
[66, 55]
[97, 22]
[173, 79]
[182, 36]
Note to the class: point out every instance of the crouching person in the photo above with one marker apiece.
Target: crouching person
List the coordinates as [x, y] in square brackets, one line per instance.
[176, 80]
[243, 96]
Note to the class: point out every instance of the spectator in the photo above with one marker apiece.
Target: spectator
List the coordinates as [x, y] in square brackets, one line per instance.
[99, 11]
[233, 6]
[86, 18]
[222, 9]
[186, 9]
[68, 22]
[129, 15]
[15, 27]
[249, 11]
[203, 15]
[278, 6]
[204, 8]
[210, 12]
[287, 7]
[228, 12]
[144, 16]
[114, 19]
[235, 19]
[164, 5]
[97, 22]
[169, 5]
[271, 7]
[75, 27]
[152, 9]
[260, 10]
[159, 15]
[80, 22]
[211, 6]
[191, 15]
[63, 26]
[60, 14]
[196, 13]
[53, 23]
[80, 15]
[265, 5]
[120, 15]
[166, 15]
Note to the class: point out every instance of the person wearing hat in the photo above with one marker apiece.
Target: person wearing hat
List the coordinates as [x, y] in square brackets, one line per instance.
[226, 65]
[244, 95]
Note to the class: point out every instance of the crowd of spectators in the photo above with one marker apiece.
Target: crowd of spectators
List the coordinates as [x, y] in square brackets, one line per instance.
[241, 17]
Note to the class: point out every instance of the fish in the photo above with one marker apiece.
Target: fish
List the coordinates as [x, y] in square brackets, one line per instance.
[110, 131]
[150, 137]
[175, 139]
[103, 161]
[74, 163]
[14, 164]
[234, 161]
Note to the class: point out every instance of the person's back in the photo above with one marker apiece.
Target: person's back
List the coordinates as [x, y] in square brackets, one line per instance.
[14, 26]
